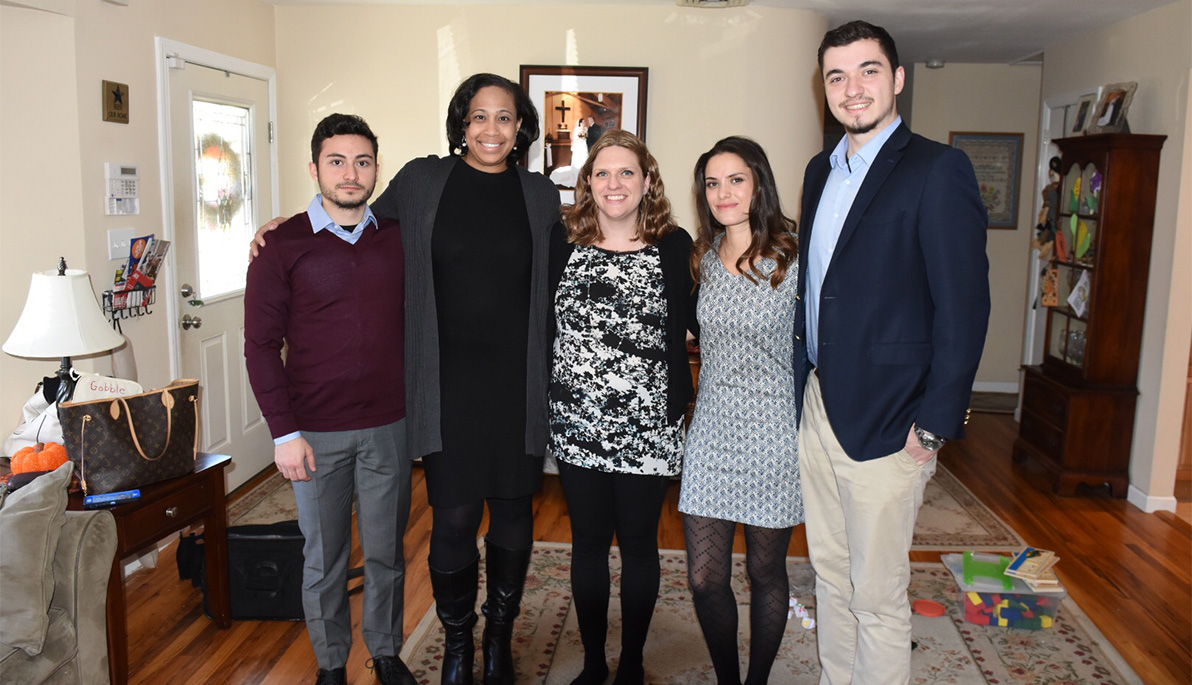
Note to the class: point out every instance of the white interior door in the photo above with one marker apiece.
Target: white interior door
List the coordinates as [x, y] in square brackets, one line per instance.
[222, 189]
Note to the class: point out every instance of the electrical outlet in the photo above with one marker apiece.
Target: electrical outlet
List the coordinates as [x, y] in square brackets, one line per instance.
[119, 240]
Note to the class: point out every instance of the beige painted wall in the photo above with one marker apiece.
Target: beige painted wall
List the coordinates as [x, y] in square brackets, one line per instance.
[54, 146]
[41, 214]
[749, 71]
[992, 98]
[1154, 49]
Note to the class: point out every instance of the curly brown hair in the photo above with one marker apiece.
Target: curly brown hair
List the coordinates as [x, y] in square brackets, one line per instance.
[773, 233]
[654, 218]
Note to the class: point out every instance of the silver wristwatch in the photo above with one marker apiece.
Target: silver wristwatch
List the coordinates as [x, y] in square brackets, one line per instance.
[929, 441]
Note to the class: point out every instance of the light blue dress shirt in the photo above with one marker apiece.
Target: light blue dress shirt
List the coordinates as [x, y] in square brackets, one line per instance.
[320, 220]
[844, 180]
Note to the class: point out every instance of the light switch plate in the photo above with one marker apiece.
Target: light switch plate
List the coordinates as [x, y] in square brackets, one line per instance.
[119, 240]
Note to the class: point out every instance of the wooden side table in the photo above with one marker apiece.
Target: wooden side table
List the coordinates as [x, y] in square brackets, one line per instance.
[164, 508]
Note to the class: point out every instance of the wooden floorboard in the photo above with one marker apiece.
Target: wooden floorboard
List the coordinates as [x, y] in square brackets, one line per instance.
[1128, 570]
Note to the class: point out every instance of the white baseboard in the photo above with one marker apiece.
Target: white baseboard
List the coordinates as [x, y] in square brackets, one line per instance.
[993, 386]
[1148, 503]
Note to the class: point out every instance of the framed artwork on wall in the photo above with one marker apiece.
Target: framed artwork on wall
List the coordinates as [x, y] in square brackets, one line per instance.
[997, 159]
[1110, 115]
[575, 106]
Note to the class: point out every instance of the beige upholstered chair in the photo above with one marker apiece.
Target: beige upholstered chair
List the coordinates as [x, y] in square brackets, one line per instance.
[54, 568]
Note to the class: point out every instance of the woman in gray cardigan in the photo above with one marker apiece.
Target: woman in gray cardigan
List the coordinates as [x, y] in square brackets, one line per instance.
[475, 228]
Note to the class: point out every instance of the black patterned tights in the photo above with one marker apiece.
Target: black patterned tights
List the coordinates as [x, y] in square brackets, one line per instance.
[709, 569]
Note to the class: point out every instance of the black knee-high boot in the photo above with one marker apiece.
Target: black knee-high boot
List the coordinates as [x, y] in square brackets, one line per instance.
[506, 570]
[455, 603]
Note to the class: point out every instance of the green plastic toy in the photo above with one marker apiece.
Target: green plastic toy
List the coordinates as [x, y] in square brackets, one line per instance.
[994, 570]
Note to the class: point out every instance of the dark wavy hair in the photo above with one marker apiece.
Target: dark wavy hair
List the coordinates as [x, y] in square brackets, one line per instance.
[850, 33]
[339, 125]
[773, 233]
[654, 219]
[461, 101]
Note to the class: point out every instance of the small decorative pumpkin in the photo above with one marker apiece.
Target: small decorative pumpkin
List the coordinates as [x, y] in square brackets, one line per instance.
[45, 456]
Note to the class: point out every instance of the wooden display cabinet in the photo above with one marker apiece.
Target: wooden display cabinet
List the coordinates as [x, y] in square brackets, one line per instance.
[1078, 405]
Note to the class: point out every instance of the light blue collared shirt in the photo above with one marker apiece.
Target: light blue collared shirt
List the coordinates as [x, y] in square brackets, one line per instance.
[320, 220]
[844, 181]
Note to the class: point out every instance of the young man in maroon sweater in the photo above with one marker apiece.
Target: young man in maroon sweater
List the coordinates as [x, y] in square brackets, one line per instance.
[330, 289]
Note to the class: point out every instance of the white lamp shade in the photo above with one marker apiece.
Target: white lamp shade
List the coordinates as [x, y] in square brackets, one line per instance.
[61, 319]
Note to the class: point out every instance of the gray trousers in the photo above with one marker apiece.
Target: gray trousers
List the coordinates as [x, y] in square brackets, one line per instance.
[373, 463]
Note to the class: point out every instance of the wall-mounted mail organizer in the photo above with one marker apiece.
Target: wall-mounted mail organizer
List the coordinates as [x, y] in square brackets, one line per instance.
[128, 304]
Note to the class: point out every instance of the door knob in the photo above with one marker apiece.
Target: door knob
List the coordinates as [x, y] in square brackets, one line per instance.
[186, 290]
[189, 322]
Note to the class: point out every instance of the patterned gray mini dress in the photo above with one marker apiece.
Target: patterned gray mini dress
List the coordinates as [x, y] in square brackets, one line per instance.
[608, 379]
[741, 460]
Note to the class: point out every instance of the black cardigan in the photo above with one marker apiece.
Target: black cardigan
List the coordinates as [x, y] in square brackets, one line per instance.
[675, 253]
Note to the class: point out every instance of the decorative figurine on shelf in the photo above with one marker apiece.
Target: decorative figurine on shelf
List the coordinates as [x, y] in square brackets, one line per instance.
[1050, 287]
[1094, 191]
[1048, 215]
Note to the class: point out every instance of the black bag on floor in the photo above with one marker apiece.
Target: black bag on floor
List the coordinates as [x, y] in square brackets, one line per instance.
[264, 570]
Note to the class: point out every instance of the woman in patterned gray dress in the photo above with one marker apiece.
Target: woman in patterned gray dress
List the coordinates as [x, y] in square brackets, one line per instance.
[620, 383]
[741, 461]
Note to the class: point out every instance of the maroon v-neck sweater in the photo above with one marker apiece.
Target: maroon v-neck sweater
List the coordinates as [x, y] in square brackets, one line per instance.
[340, 310]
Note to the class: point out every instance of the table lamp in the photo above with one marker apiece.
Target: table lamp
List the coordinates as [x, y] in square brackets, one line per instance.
[61, 319]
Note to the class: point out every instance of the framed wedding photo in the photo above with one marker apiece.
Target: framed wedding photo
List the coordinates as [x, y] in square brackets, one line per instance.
[575, 106]
[997, 160]
[1110, 115]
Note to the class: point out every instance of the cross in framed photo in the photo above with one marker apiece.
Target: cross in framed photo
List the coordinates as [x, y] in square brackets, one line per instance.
[576, 105]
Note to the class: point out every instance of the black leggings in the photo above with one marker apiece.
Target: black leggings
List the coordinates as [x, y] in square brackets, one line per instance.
[709, 569]
[601, 504]
[454, 530]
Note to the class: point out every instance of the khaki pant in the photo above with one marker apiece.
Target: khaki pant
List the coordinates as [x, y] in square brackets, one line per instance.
[860, 520]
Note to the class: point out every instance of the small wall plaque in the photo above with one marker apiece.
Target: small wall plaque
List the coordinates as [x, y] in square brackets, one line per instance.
[115, 102]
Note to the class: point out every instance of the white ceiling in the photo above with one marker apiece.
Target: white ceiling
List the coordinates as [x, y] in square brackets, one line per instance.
[994, 31]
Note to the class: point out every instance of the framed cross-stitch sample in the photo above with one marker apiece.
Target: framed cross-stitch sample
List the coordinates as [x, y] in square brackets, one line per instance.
[997, 159]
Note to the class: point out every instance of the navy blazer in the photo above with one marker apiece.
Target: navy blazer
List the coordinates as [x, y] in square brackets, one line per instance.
[904, 306]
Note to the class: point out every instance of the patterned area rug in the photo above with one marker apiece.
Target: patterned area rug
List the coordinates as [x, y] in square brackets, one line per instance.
[547, 648]
[952, 518]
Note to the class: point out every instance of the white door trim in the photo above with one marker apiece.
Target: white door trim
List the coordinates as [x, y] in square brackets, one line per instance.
[167, 49]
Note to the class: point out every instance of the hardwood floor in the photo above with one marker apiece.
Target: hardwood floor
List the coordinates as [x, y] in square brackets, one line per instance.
[1129, 571]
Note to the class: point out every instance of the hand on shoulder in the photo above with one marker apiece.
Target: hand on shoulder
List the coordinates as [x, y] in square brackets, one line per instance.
[258, 240]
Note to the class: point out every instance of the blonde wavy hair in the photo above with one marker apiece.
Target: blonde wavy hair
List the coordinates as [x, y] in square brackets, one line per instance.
[654, 218]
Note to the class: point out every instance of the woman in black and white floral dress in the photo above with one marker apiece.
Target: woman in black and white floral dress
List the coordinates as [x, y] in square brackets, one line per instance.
[620, 383]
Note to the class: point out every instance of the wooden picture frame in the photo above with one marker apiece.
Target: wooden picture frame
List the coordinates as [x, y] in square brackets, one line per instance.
[614, 97]
[1110, 116]
[997, 160]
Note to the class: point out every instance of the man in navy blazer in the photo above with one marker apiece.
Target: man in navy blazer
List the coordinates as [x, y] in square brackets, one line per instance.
[891, 315]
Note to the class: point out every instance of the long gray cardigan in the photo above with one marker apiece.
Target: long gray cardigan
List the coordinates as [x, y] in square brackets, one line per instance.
[412, 198]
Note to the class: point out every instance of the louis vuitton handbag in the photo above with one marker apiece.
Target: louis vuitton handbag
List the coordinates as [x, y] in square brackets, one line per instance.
[124, 443]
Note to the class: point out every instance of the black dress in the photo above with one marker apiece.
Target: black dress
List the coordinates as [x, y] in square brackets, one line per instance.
[481, 250]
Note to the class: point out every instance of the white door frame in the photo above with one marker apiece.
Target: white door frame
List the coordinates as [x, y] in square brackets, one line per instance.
[167, 49]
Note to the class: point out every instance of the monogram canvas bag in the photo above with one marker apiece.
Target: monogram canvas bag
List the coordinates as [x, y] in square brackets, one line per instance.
[124, 443]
